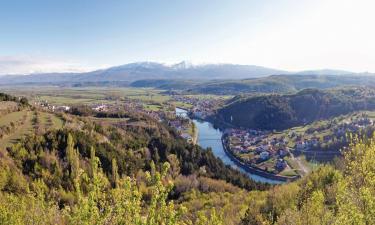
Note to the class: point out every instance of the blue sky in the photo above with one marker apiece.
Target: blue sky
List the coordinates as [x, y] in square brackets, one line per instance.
[70, 35]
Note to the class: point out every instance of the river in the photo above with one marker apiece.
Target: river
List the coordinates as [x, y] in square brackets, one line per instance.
[208, 136]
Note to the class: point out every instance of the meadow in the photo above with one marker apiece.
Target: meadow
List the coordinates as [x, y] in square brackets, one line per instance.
[151, 99]
[31, 122]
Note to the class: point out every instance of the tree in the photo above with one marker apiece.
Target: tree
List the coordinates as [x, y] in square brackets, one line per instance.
[356, 193]
[314, 211]
[72, 156]
[94, 161]
[115, 175]
[174, 165]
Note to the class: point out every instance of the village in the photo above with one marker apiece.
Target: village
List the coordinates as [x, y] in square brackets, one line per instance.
[201, 108]
[256, 149]
[273, 151]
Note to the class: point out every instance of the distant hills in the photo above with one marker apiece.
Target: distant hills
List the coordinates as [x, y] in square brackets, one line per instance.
[270, 84]
[324, 72]
[146, 70]
[126, 74]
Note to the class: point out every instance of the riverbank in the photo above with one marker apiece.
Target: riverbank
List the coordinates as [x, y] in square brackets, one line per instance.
[194, 135]
[255, 170]
[209, 136]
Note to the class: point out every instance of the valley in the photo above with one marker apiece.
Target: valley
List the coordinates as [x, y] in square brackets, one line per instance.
[210, 157]
[283, 152]
[187, 112]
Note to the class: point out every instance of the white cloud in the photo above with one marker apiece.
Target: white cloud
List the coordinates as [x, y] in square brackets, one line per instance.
[26, 65]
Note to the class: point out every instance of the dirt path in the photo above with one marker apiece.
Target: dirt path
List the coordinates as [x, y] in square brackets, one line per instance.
[301, 165]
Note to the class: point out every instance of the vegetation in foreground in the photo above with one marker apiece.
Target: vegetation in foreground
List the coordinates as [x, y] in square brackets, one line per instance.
[49, 175]
[139, 172]
[327, 196]
[342, 195]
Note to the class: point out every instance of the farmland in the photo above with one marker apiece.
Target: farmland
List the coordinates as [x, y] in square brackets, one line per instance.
[61, 95]
[20, 123]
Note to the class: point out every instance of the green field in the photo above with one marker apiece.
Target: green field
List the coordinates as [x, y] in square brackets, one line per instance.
[151, 99]
[109, 120]
[11, 117]
[50, 121]
[90, 95]
[20, 131]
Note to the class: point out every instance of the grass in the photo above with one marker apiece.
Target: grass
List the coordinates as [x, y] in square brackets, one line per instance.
[289, 173]
[291, 162]
[5, 105]
[210, 96]
[89, 95]
[19, 132]
[47, 120]
[152, 107]
[11, 117]
[69, 100]
[110, 120]
[57, 122]
[182, 105]
[309, 164]
[50, 121]
[150, 98]
[296, 168]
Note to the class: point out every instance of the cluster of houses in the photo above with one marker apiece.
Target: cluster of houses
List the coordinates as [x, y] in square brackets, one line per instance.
[353, 125]
[202, 108]
[304, 143]
[339, 131]
[186, 99]
[259, 145]
[100, 107]
[54, 108]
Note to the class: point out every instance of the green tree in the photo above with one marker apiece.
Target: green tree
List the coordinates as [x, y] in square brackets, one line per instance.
[356, 193]
[72, 156]
[115, 175]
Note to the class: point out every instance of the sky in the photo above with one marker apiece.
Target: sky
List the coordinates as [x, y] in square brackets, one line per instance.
[82, 35]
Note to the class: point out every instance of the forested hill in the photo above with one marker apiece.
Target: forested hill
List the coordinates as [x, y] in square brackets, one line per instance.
[134, 141]
[271, 84]
[106, 163]
[285, 111]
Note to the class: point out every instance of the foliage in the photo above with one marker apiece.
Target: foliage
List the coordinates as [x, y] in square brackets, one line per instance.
[97, 202]
[22, 100]
[327, 196]
[269, 84]
[132, 147]
[284, 111]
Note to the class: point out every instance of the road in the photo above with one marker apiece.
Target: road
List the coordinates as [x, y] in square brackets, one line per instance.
[301, 165]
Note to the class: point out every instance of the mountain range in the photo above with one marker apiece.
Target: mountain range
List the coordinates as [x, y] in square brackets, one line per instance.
[128, 73]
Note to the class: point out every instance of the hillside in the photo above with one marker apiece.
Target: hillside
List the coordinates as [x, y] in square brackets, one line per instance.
[284, 111]
[127, 168]
[57, 152]
[18, 119]
[326, 196]
[329, 195]
[269, 84]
